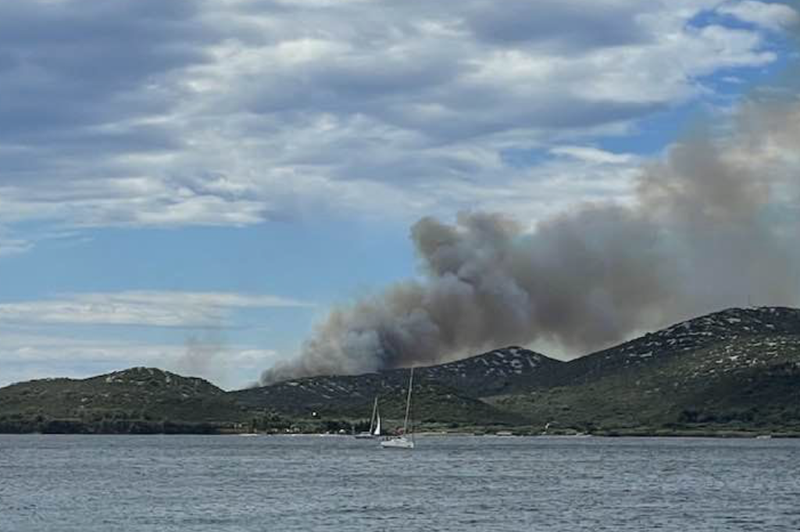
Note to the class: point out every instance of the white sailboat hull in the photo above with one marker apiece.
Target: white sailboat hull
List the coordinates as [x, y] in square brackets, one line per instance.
[406, 440]
[400, 442]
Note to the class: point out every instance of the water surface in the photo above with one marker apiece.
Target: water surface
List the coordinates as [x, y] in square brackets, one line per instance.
[303, 483]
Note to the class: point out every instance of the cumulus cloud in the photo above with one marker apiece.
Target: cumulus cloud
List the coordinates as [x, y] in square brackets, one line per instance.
[774, 16]
[146, 113]
[565, 24]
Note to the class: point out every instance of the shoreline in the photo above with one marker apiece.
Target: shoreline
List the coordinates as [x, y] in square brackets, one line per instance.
[439, 434]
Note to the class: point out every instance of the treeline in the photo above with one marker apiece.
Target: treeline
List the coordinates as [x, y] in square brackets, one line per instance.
[119, 422]
[42, 425]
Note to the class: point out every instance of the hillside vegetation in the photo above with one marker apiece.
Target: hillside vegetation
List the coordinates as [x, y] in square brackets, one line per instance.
[731, 372]
[137, 400]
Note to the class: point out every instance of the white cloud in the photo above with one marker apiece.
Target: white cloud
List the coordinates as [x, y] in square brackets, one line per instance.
[142, 308]
[14, 246]
[593, 155]
[769, 15]
[237, 112]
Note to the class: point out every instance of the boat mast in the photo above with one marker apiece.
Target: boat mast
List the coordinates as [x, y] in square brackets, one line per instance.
[372, 419]
[408, 401]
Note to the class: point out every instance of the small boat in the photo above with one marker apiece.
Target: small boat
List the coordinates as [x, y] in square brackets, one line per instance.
[406, 439]
[374, 424]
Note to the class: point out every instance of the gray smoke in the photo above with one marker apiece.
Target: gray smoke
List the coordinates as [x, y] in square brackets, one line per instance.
[714, 224]
[204, 356]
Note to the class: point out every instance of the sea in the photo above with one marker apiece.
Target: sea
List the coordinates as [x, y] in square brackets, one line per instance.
[448, 483]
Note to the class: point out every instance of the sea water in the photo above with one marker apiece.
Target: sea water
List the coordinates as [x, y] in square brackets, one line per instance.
[454, 483]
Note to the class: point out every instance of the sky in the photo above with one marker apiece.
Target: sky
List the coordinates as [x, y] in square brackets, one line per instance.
[193, 185]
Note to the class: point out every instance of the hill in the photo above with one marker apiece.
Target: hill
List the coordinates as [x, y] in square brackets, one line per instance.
[501, 370]
[447, 393]
[134, 400]
[738, 369]
[506, 370]
[734, 371]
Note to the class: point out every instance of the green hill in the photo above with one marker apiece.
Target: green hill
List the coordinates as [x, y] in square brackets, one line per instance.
[735, 371]
[134, 400]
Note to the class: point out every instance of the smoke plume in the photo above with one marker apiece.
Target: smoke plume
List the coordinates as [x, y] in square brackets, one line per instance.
[204, 356]
[714, 224]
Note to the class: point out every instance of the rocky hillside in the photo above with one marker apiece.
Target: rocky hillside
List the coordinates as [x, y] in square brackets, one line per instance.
[753, 336]
[449, 391]
[505, 370]
[735, 368]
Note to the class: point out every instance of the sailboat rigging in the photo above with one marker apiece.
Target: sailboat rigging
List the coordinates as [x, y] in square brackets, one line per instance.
[374, 424]
[405, 440]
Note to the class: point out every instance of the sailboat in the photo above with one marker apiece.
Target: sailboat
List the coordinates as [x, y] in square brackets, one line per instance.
[374, 424]
[405, 440]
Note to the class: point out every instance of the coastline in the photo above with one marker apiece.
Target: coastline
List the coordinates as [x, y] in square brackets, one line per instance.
[227, 430]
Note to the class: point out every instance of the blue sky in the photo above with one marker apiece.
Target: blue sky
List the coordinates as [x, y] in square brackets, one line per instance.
[192, 185]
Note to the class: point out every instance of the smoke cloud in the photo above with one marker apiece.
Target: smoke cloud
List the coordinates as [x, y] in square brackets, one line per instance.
[714, 224]
[204, 356]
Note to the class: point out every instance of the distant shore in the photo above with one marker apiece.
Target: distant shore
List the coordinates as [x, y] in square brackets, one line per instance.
[62, 427]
